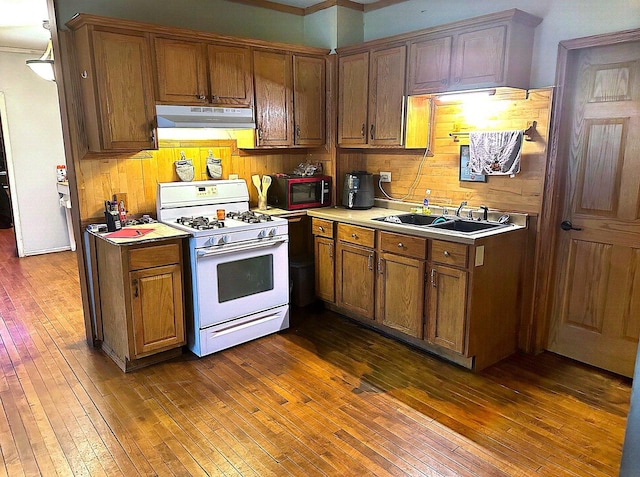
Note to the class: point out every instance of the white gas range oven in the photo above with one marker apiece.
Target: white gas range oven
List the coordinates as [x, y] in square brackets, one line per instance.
[239, 263]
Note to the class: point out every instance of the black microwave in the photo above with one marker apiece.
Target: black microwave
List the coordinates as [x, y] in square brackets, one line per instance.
[299, 192]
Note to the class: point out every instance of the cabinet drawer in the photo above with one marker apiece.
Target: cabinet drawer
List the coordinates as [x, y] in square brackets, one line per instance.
[322, 227]
[449, 253]
[155, 256]
[357, 235]
[415, 247]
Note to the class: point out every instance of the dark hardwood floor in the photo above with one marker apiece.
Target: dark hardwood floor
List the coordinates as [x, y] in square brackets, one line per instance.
[326, 397]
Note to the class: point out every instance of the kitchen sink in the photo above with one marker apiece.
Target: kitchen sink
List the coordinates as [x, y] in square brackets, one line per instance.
[409, 219]
[466, 226]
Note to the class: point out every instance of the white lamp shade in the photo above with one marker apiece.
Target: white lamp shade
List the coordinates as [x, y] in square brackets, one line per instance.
[44, 66]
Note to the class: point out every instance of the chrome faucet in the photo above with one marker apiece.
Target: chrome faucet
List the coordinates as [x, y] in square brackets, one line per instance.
[485, 212]
[462, 204]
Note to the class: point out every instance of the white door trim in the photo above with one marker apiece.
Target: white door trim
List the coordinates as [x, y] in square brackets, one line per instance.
[17, 226]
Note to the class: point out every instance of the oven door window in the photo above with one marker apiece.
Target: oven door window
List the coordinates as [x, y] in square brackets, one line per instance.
[303, 192]
[247, 277]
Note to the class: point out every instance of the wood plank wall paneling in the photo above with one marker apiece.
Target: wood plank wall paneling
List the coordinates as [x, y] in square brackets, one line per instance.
[137, 175]
[522, 193]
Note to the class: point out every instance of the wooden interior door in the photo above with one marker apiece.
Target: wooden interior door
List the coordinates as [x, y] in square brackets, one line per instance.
[596, 304]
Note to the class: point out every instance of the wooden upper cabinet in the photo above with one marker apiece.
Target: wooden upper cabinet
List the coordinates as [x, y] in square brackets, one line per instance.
[272, 79]
[371, 97]
[290, 99]
[386, 96]
[309, 100]
[430, 64]
[230, 76]
[190, 72]
[479, 58]
[181, 71]
[491, 51]
[117, 88]
[353, 91]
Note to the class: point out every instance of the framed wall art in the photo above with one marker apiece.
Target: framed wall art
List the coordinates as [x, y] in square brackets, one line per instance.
[465, 170]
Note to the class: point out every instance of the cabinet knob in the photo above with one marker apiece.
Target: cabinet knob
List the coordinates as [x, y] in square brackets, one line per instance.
[444, 81]
[259, 133]
[446, 253]
[320, 228]
[297, 131]
[135, 290]
[457, 79]
[400, 245]
[372, 131]
[355, 236]
[202, 97]
[215, 97]
[364, 129]
[84, 74]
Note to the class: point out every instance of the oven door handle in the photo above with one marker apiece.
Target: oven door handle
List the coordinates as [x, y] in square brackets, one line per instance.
[239, 248]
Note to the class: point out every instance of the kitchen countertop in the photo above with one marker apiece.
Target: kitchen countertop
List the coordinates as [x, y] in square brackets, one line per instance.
[160, 232]
[384, 208]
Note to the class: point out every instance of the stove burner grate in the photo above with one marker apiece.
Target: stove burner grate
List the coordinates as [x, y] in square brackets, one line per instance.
[200, 223]
[249, 217]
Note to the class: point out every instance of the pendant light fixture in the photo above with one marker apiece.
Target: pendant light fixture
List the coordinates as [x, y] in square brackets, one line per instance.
[44, 66]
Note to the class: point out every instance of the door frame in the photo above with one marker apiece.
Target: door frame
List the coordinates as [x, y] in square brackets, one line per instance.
[554, 188]
[17, 224]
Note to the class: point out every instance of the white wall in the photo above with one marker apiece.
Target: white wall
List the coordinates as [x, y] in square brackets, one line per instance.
[35, 141]
[562, 20]
[217, 16]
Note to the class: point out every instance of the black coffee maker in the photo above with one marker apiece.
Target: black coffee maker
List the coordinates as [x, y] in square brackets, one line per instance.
[358, 190]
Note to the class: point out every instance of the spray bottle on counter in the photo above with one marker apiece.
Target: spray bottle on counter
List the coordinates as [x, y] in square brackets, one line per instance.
[425, 203]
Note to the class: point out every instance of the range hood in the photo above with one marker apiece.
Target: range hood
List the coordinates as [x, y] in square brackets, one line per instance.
[170, 116]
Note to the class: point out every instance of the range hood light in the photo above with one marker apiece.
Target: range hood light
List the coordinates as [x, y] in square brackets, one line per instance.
[170, 116]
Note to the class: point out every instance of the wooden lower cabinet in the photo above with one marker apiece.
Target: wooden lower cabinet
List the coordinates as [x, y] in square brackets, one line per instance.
[460, 301]
[447, 305]
[400, 295]
[325, 268]
[355, 270]
[141, 301]
[324, 259]
[355, 279]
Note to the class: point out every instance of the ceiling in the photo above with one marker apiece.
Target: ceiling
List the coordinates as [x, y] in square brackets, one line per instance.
[21, 24]
[21, 20]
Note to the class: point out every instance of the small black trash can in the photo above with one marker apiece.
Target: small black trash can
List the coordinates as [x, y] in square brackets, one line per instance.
[302, 278]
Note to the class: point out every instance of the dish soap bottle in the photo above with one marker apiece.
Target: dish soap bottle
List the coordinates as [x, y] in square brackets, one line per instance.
[425, 203]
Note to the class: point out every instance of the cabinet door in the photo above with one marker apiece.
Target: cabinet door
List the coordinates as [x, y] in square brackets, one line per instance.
[479, 58]
[353, 84]
[401, 294]
[447, 297]
[355, 279]
[157, 309]
[272, 76]
[230, 75]
[386, 96]
[308, 100]
[123, 76]
[181, 74]
[324, 269]
[429, 65]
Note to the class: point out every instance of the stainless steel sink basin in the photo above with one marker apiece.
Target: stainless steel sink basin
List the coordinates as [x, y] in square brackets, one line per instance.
[466, 226]
[409, 219]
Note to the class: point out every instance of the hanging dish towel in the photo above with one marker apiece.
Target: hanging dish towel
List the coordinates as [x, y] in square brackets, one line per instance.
[495, 153]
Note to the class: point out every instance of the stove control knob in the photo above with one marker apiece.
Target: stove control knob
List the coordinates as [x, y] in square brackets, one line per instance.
[262, 234]
[224, 239]
[272, 232]
[210, 242]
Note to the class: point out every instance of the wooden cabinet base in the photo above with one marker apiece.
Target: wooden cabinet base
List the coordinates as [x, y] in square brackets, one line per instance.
[131, 365]
[444, 353]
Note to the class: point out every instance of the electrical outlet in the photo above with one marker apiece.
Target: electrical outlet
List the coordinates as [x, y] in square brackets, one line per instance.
[385, 177]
